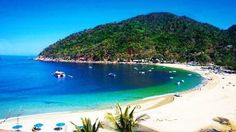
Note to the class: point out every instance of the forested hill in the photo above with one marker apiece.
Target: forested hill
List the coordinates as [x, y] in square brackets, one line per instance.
[157, 35]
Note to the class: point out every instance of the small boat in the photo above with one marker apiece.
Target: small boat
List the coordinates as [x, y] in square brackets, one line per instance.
[111, 74]
[70, 76]
[142, 72]
[178, 83]
[150, 70]
[170, 71]
[174, 71]
[189, 74]
[59, 74]
[135, 68]
[90, 67]
[182, 81]
[171, 77]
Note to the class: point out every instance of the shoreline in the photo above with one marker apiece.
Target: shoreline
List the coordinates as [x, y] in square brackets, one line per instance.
[43, 59]
[148, 104]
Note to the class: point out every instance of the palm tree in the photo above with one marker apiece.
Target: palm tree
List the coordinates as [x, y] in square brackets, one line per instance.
[125, 121]
[87, 126]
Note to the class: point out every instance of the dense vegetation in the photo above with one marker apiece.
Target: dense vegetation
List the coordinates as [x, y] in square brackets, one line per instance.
[157, 35]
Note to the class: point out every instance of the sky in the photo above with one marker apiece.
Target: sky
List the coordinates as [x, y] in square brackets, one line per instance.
[29, 26]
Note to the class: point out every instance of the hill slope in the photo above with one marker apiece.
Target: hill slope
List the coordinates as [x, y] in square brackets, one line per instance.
[157, 35]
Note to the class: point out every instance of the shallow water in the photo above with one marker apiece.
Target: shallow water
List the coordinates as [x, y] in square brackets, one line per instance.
[29, 87]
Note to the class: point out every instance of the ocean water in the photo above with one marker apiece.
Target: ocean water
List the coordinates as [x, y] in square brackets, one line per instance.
[29, 87]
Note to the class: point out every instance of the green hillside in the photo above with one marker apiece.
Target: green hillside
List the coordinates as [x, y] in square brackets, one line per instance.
[157, 35]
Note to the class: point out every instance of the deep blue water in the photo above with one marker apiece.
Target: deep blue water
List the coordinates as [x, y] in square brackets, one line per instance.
[29, 87]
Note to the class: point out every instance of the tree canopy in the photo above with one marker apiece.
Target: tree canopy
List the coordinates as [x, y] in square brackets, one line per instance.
[157, 35]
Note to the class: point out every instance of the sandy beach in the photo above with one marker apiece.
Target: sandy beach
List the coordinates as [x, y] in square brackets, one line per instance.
[194, 110]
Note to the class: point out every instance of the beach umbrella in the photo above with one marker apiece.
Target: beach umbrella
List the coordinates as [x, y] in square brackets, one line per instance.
[38, 125]
[61, 124]
[17, 127]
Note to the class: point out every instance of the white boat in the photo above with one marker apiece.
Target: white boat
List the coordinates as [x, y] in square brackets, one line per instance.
[171, 77]
[59, 74]
[111, 75]
[189, 74]
[178, 83]
[90, 67]
[182, 81]
[70, 76]
[142, 72]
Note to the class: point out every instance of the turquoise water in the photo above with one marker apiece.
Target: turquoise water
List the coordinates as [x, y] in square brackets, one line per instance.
[28, 86]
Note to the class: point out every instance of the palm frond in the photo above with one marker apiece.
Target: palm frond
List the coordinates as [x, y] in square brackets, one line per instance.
[142, 118]
[127, 110]
[78, 129]
[131, 114]
[97, 124]
[110, 117]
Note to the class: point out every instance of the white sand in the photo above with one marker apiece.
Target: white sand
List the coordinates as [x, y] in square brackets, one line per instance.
[191, 112]
[196, 109]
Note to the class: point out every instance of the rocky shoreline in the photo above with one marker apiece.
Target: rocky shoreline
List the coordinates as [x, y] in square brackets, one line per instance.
[45, 59]
[212, 67]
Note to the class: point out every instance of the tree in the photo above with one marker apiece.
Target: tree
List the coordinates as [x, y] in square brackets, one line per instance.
[87, 126]
[125, 121]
